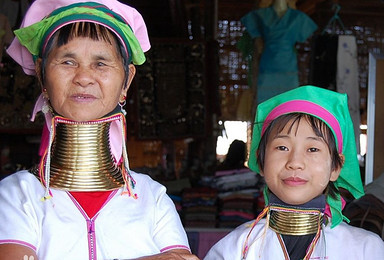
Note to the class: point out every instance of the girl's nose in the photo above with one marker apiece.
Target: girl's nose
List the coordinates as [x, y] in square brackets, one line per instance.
[295, 160]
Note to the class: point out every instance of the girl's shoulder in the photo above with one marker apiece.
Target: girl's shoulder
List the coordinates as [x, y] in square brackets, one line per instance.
[247, 229]
[361, 243]
[352, 234]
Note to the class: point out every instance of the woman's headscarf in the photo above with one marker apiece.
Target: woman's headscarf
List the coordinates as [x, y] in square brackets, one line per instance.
[45, 17]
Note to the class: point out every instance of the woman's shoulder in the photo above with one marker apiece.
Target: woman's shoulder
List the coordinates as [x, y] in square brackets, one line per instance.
[20, 186]
[145, 181]
[19, 177]
[143, 177]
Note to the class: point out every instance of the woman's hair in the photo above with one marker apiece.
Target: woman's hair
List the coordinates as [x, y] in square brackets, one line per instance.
[84, 29]
[321, 130]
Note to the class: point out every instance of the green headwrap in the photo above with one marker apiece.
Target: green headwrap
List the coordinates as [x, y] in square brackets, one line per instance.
[36, 36]
[330, 107]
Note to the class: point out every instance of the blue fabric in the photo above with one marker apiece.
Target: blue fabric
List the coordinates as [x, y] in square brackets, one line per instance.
[278, 61]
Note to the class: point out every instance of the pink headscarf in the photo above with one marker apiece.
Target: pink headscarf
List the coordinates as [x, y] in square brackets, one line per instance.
[37, 12]
[41, 8]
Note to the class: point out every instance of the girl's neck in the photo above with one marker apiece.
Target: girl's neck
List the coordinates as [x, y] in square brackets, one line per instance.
[296, 220]
[316, 203]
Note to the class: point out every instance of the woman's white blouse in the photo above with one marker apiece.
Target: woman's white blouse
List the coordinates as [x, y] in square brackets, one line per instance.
[59, 228]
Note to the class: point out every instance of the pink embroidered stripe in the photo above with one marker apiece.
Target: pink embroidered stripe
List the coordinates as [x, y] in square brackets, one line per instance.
[307, 107]
[19, 242]
[174, 247]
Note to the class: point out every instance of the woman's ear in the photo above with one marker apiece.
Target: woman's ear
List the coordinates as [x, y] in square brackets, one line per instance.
[39, 76]
[131, 75]
[335, 173]
[38, 70]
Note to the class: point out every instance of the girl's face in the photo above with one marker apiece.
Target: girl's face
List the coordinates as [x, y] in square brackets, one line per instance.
[85, 79]
[297, 166]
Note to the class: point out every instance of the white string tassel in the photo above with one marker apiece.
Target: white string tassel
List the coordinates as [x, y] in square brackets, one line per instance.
[47, 167]
[129, 181]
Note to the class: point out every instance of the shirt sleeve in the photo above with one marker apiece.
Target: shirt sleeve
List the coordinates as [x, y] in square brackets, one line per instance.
[17, 214]
[251, 22]
[169, 232]
[306, 27]
[227, 248]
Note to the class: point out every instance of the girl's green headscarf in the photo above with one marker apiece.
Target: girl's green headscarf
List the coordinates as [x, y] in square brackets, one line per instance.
[330, 107]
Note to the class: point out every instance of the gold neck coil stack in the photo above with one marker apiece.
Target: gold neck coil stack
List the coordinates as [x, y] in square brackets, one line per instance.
[81, 158]
[295, 222]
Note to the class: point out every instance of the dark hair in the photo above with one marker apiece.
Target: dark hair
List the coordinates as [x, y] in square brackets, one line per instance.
[320, 128]
[93, 31]
[236, 156]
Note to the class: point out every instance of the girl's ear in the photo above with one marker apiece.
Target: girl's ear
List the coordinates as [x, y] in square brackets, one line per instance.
[335, 173]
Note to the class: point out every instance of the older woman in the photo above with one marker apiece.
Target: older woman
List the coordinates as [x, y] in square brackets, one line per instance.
[82, 201]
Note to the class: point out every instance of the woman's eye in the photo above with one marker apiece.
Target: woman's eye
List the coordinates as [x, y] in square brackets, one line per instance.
[101, 64]
[313, 149]
[68, 62]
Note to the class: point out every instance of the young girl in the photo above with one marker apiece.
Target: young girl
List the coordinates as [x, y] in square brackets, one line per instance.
[303, 145]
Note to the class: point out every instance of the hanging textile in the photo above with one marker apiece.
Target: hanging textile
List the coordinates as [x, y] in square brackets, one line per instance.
[334, 66]
[347, 79]
[278, 70]
[323, 61]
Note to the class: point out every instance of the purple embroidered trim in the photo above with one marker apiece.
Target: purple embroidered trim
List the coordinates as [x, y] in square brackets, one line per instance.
[19, 242]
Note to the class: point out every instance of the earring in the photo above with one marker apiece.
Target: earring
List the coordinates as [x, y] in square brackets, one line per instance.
[46, 106]
[122, 104]
[45, 94]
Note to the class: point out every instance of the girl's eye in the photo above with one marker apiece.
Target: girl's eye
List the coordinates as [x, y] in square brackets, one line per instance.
[313, 149]
[282, 148]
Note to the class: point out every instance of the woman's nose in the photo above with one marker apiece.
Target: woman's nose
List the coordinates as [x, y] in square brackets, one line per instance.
[84, 76]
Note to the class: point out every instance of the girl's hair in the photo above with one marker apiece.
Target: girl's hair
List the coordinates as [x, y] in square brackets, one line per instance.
[84, 29]
[321, 130]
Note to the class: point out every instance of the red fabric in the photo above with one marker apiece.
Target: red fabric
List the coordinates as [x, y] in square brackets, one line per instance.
[44, 140]
[91, 202]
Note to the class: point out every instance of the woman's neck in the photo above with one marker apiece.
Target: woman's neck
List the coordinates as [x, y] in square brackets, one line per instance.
[81, 158]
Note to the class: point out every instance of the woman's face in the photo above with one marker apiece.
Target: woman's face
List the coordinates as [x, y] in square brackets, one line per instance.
[84, 79]
[298, 164]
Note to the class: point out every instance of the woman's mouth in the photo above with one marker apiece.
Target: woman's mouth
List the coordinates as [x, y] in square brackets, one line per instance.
[83, 97]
